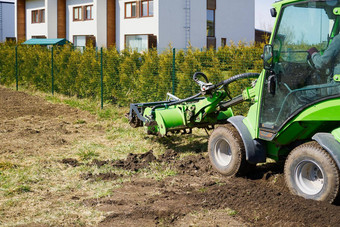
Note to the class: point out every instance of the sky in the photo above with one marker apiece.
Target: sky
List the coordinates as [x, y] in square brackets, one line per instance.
[263, 19]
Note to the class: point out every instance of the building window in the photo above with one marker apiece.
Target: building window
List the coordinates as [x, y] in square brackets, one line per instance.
[81, 13]
[88, 12]
[147, 8]
[136, 42]
[79, 40]
[77, 13]
[223, 42]
[84, 40]
[130, 9]
[38, 37]
[140, 42]
[210, 23]
[38, 16]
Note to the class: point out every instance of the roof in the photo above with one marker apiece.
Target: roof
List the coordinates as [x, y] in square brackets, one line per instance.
[46, 42]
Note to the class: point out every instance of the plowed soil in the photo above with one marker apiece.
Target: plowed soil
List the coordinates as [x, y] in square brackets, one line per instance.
[195, 196]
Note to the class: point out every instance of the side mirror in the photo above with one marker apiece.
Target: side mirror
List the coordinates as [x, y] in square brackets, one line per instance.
[273, 12]
[267, 57]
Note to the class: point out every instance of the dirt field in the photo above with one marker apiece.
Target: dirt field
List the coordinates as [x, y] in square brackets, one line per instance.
[34, 132]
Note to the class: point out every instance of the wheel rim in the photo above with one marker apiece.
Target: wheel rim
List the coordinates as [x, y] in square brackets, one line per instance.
[309, 177]
[222, 152]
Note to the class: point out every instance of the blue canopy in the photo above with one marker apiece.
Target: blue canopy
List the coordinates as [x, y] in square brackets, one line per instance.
[46, 42]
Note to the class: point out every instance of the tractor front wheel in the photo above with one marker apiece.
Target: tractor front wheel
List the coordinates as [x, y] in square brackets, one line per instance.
[311, 172]
[227, 152]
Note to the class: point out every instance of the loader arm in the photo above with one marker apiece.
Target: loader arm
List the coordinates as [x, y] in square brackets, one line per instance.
[202, 110]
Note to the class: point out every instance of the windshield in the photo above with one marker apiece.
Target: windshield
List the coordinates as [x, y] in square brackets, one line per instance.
[303, 26]
[306, 59]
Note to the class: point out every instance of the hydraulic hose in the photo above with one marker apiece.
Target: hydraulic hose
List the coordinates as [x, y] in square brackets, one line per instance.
[222, 83]
[176, 102]
[238, 77]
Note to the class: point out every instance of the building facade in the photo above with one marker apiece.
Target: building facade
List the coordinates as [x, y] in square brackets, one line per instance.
[180, 23]
[79, 21]
[138, 24]
[6, 20]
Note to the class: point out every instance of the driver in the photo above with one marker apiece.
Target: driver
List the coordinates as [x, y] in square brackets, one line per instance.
[330, 58]
[326, 64]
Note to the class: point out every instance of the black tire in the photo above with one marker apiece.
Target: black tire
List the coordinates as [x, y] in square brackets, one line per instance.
[226, 151]
[311, 172]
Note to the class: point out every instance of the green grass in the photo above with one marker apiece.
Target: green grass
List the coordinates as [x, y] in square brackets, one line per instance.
[158, 171]
[89, 151]
[38, 188]
[231, 212]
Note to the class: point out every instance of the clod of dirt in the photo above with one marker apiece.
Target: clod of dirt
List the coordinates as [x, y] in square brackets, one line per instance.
[168, 155]
[147, 157]
[101, 176]
[71, 161]
[99, 163]
[194, 165]
[135, 162]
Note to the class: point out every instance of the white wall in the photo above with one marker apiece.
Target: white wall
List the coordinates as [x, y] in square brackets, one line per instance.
[51, 18]
[80, 27]
[235, 20]
[7, 21]
[101, 22]
[136, 26]
[198, 25]
[171, 24]
[37, 29]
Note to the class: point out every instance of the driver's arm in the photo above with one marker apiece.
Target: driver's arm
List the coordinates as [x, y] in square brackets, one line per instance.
[324, 61]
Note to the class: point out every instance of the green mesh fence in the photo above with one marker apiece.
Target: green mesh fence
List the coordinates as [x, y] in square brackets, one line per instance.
[127, 76]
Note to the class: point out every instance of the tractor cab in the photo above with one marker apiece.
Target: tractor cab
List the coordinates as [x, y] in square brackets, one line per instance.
[294, 78]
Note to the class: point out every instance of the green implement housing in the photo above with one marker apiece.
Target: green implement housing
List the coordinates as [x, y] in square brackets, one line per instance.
[295, 111]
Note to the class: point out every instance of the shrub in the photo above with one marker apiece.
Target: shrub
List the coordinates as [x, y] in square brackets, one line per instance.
[128, 76]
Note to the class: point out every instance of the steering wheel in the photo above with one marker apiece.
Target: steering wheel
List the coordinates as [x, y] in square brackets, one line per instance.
[311, 63]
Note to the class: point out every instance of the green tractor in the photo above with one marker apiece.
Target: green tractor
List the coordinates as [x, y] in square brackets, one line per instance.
[295, 111]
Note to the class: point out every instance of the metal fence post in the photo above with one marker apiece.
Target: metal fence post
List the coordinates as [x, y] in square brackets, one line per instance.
[16, 68]
[101, 79]
[173, 70]
[52, 71]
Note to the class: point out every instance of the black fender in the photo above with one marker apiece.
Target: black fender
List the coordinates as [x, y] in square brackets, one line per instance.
[255, 150]
[330, 144]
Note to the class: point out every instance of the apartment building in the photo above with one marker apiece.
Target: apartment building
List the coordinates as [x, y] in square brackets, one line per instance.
[199, 23]
[137, 24]
[6, 20]
[79, 21]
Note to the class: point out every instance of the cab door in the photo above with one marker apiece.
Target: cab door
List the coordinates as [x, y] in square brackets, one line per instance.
[292, 83]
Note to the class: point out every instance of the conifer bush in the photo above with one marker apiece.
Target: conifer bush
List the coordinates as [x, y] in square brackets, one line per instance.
[165, 74]
[7, 63]
[111, 64]
[128, 76]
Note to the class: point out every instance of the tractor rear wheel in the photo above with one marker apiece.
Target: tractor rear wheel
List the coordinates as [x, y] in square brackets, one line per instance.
[311, 172]
[226, 151]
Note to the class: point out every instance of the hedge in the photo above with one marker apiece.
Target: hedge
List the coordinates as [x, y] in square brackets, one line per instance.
[128, 76]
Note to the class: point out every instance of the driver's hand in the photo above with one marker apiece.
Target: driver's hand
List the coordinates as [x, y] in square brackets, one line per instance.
[311, 51]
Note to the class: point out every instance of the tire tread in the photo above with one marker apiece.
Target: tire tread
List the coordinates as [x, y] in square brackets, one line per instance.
[244, 166]
[314, 147]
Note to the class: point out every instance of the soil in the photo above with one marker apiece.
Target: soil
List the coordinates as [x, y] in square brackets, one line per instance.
[31, 124]
[195, 196]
